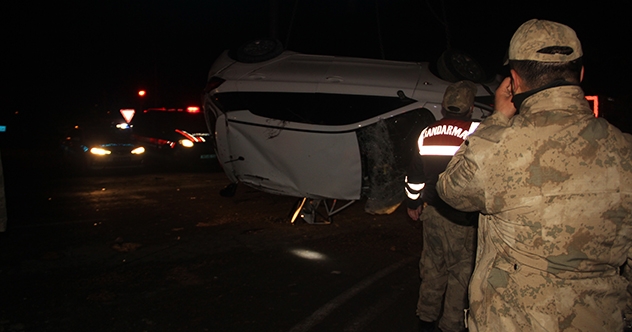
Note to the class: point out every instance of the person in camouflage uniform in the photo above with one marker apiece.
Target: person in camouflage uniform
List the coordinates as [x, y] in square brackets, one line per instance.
[447, 257]
[554, 187]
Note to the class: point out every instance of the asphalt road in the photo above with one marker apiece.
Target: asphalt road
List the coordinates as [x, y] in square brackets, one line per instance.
[161, 250]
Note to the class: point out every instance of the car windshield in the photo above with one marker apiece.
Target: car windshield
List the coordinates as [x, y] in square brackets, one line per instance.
[104, 134]
[164, 123]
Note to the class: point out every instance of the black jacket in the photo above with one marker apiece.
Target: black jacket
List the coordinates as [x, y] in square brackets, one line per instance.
[436, 145]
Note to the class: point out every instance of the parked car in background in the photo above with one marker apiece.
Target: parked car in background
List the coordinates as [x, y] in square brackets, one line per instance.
[178, 136]
[101, 144]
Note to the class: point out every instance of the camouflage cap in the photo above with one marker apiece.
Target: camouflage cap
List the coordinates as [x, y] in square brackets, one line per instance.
[459, 97]
[544, 41]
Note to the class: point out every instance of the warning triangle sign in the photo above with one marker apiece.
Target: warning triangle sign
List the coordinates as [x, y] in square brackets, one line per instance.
[127, 114]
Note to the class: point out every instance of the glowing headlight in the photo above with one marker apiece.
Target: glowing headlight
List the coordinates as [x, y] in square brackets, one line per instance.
[138, 150]
[186, 143]
[100, 151]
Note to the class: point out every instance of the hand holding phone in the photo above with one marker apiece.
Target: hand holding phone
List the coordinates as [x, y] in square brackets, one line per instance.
[503, 96]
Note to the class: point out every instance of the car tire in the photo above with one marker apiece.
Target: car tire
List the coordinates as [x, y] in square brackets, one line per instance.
[455, 66]
[257, 50]
[229, 190]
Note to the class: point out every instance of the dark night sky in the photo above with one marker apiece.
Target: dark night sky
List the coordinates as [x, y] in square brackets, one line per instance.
[74, 57]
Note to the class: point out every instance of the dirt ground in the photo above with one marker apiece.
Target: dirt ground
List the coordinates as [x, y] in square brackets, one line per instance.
[161, 250]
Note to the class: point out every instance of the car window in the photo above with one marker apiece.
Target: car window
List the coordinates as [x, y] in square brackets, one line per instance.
[164, 123]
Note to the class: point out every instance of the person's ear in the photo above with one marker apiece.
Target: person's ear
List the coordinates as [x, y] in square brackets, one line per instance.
[517, 84]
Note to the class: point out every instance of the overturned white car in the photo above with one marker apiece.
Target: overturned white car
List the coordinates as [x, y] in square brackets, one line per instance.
[323, 128]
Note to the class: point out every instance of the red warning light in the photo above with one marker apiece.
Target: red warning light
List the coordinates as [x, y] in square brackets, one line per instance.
[594, 101]
[142, 93]
[193, 109]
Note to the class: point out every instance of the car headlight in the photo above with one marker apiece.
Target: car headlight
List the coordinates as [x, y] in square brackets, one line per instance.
[138, 150]
[186, 143]
[100, 151]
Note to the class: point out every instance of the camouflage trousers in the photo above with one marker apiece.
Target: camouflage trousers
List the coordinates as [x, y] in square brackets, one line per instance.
[446, 264]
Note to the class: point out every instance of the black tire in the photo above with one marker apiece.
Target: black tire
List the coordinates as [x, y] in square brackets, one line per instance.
[258, 50]
[229, 190]
[455, 66]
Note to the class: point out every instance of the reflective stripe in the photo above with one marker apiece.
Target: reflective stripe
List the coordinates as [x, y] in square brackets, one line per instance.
[443, 150]
[438, 150]
[412, 196]
[413, 190]
[415, 186]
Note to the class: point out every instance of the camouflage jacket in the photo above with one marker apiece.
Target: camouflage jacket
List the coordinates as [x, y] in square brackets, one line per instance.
[554, 186]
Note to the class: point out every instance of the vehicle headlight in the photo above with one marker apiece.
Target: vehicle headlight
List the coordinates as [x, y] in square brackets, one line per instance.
[100, 151]
[186, 143]
[138, 150]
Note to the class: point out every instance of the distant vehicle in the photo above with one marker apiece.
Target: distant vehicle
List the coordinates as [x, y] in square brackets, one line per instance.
[177, 135]
[100, 146]
[326, 128]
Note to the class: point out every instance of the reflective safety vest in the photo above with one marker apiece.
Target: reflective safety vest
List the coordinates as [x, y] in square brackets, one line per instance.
[437, 144]
[444, 138]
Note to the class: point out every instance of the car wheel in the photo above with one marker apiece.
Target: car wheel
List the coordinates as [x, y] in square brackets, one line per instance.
[455, 66]
[229, 190]
[258, 50]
